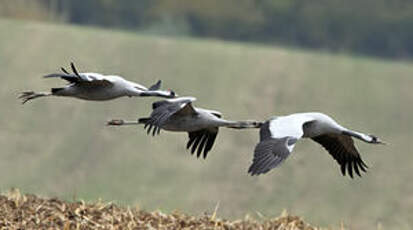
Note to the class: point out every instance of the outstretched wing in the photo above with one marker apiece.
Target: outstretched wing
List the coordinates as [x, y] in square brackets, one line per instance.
[268, 154]
[95, 79]
[162, 110]
[277, 140]
[71, 78]
[203, 140]
[342, 148]
[85, 79]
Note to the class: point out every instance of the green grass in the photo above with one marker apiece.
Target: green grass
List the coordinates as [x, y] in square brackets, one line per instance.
[60, 146]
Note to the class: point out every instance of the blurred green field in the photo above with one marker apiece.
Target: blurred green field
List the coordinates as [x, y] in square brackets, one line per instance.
[60, 146]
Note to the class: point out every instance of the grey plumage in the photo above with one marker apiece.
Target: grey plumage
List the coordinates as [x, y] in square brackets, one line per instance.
[268, 154]
[163, 110]
[202, 125]
[279, 135]
[97, 87]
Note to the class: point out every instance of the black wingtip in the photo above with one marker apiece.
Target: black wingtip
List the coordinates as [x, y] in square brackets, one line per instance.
[154, 131]
[195, 145]
[191, 140]
[72, 65]
[51, 75]
[148, 131]
[357, 166]
[252, 171]
[202, 145]
[149, 127]
[64, 70]
[350, 169]
[206, 151]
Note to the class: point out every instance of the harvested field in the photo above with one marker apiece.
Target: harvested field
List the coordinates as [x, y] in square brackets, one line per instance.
[18, 211]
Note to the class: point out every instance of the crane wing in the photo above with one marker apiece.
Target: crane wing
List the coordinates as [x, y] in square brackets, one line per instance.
[277, 140]
[90, 79]
[342, 148]
[203, 140]
[68, 77]
[162, 110]
[95, 80]
[85, 79]
[269, 154]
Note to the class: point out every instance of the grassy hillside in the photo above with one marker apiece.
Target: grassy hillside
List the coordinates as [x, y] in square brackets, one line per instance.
[57, 146]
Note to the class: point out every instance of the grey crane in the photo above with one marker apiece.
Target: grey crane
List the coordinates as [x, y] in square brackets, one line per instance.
[96, 87]
[179, 115]
[279, 135]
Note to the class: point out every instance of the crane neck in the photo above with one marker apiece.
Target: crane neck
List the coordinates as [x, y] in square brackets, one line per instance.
[358, 135]
[157, 93]
[249, 124]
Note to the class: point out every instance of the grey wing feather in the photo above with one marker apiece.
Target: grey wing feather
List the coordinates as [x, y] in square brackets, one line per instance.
[162, 111]
[181, 101]
[96, 82]
[187, 109]
[157, 104]
[265, 132]
[268, 154]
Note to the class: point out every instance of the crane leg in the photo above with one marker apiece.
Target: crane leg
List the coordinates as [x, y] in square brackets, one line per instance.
[29, 95]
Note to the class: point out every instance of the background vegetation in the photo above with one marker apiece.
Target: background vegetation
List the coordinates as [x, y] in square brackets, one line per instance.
[58, 146]
[372, 27]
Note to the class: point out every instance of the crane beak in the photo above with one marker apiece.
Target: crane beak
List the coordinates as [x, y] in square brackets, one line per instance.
[381, 142]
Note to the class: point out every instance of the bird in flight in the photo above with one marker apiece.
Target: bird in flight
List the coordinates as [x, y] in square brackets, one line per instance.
[279, 135]
[180, 115]
[96, 87]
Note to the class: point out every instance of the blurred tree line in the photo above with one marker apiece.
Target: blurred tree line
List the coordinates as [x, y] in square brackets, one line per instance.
[373, 27]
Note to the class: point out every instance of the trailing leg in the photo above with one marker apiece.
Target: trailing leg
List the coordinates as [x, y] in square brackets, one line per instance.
[29, 95]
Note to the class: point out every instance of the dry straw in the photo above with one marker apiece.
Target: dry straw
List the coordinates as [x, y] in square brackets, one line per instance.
[19, 211]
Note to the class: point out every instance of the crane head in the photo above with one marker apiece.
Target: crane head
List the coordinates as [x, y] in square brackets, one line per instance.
[376, 140]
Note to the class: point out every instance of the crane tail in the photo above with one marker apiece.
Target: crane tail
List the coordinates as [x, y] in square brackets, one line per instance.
[155, 86]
